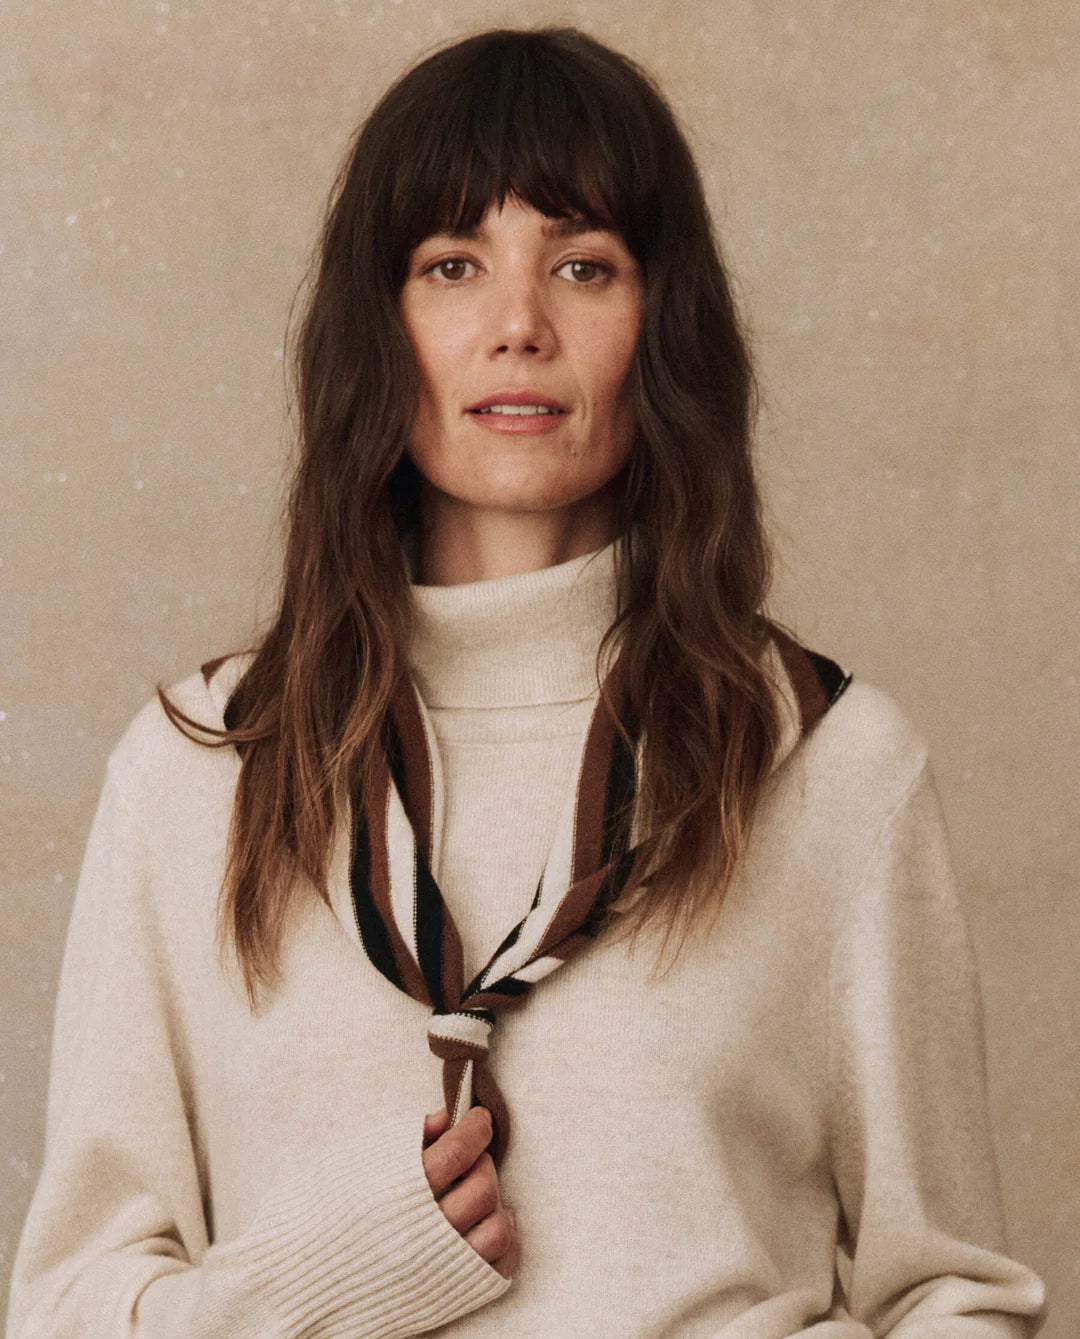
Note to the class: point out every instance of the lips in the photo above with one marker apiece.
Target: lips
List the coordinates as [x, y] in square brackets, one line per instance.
[518, 403]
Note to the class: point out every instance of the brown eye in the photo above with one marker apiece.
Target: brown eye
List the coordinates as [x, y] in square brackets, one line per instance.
[452, 268]
[584, 271]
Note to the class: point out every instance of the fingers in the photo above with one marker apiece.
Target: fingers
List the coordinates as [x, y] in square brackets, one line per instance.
[508, 1262]
[453, 1153]
[463, 1179]
[495, 1239]
[473, 1197]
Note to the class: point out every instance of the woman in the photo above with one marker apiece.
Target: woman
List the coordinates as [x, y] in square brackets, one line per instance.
[520, 770]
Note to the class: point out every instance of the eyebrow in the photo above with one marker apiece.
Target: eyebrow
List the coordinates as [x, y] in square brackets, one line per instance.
[573, 226]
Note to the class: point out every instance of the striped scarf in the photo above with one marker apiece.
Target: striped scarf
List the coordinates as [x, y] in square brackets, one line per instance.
[406, 927]
[409, 934]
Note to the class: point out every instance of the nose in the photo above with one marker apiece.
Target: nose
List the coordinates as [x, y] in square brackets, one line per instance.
[520, 322]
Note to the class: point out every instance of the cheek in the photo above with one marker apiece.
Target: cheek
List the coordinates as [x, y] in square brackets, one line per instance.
[433, 340]
[616, 346]
[431, 374]
[617, 379]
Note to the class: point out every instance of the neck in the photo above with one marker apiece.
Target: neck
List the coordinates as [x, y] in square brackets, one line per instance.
[461, 543]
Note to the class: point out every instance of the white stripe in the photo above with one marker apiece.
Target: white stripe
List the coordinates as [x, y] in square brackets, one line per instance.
[536, 971]
[435, 790]
[464, 1100]
[401, 852]
[635, 817]
[460, 1027]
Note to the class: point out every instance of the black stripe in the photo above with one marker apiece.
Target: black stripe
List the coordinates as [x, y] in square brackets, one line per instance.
[429, 929]
[512, 937]
[832, 678]
[395, 758]
[508, 985]
[373, 932]
[429, 908]
[232, 714]
[488, 1015]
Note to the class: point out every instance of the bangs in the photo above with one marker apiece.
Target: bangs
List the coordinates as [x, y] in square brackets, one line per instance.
[516, 116]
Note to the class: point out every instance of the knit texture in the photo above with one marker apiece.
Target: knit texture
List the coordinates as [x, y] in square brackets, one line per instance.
[783, 1134]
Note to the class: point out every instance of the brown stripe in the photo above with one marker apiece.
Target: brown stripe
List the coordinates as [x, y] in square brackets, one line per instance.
[418, 797]
[572, 944]
[451, 1048]
[592, 794]
[487, 1093]
[809, 693]
[377, 796]
[453, 961]
[571, 913]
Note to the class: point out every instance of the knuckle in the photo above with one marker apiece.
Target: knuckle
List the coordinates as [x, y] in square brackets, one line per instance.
[502, 1233]
[482, 1239]
[456, 1160]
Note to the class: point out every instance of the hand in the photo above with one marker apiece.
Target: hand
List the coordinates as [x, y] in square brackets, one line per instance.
[463, 1179]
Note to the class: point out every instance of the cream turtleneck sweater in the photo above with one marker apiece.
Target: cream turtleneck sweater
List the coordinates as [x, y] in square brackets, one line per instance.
[509, 699]
[696, 1153]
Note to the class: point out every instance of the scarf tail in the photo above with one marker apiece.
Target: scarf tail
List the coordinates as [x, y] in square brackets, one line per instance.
[470, 1083]
[487, 1093]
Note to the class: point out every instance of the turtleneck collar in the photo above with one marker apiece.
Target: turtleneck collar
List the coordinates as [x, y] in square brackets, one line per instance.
[514, 641]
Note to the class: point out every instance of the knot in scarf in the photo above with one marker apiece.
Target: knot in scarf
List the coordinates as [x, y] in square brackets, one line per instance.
[460, 1034]
[460, 1038]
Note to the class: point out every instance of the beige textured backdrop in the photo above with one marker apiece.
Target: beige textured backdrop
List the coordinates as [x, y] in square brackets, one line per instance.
[897, 189]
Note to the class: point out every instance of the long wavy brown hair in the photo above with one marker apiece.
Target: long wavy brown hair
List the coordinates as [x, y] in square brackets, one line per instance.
[555, 119]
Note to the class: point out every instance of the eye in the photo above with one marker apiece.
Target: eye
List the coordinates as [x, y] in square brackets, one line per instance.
[585, 271]
[451, 268]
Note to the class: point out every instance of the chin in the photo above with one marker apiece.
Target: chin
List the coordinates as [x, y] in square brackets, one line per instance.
[531, 499]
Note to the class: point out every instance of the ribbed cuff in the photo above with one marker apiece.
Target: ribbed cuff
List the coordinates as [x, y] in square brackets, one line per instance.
[355, 1244]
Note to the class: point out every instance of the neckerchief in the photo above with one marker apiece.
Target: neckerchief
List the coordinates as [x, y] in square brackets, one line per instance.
[409, 934]
[405, 926]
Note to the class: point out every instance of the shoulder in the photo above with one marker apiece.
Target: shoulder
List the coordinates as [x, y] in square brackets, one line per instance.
[867, 733]
[851, 816]
[855, 766]
[836, 730]
[157, 755]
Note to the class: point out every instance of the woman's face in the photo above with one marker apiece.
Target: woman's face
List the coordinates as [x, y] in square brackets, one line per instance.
[524, 333]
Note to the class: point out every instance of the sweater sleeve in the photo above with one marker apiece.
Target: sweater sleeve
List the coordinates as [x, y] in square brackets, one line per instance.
[116, 1242]
[922, 1245]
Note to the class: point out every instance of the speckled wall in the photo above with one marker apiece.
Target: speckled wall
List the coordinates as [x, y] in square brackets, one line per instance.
[897, 186]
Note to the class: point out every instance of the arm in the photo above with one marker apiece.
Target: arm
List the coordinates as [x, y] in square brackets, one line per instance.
[912, 1152]
[116, 1242]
